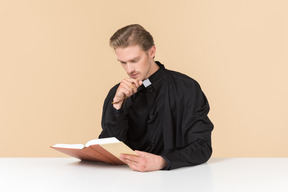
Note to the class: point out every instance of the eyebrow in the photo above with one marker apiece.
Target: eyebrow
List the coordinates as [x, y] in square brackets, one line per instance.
[136, 58]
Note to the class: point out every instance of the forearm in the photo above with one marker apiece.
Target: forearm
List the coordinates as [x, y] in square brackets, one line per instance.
[114, 123]
[115, 129]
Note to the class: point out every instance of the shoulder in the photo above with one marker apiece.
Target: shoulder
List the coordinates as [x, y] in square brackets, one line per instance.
[184, 89]
[181, 80]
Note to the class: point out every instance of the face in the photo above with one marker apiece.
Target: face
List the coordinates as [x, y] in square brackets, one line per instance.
[137, 63]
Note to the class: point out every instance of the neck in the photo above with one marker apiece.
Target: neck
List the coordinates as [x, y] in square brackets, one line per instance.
[153, 69]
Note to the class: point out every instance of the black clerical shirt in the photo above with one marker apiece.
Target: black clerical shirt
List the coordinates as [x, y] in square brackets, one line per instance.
[167, 118]
[145, 116]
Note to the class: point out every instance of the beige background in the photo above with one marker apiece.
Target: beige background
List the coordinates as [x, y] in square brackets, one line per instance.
[56, 68]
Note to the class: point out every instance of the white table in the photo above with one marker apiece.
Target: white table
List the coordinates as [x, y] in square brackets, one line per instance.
[69, 174]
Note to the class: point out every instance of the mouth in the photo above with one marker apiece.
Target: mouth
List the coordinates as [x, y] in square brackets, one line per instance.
[133, 75]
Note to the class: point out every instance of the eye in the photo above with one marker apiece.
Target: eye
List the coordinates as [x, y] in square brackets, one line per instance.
[134, 60]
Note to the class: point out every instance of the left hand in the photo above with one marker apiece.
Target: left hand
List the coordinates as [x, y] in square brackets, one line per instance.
[144, 161]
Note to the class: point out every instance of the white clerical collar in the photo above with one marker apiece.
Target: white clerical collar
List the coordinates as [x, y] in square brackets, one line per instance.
[146, 83]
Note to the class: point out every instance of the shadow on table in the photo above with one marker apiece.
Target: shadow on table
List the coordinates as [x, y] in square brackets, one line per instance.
[97, 164]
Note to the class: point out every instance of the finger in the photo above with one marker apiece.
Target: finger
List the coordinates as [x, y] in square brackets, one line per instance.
[125, 84]
[140, 83]
[124, 90]
[130, 163]
[121, 93]
[136, 163]
[133, 87]
[134, 158]
[129, 87]
[136, 82]
[121, 90]
[135, 168]
[129, 92]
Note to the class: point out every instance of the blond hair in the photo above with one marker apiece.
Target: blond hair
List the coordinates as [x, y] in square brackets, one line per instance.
[131, 35]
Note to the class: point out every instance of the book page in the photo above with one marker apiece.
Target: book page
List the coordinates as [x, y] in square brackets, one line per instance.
[118, 148]
[102, 141]
[69, 146]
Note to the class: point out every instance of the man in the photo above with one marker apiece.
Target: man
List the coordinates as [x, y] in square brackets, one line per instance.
[161, 114]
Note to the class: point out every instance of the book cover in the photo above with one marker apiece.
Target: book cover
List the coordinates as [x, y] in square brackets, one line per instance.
[105, 150]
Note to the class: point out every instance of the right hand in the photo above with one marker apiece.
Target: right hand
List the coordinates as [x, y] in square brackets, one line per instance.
[126, 89]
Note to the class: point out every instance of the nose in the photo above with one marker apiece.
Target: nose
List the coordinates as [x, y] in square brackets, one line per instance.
[130, 68]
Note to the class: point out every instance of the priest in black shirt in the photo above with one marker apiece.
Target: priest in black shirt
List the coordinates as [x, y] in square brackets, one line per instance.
[161, 114]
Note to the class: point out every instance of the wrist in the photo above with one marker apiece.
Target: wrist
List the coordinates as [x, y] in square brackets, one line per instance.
[117, 104]
[166, 164]
[163, 163]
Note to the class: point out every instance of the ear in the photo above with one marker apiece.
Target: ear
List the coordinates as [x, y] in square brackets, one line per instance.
[152, 52]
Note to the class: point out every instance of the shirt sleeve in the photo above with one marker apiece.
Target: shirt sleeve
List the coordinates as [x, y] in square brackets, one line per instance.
[191, 137]
[114, 123]
[193, 154]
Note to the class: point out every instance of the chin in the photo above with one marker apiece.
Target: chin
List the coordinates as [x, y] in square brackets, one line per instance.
[138, 78]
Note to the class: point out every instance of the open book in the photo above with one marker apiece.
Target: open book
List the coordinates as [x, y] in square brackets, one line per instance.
[105, 150]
